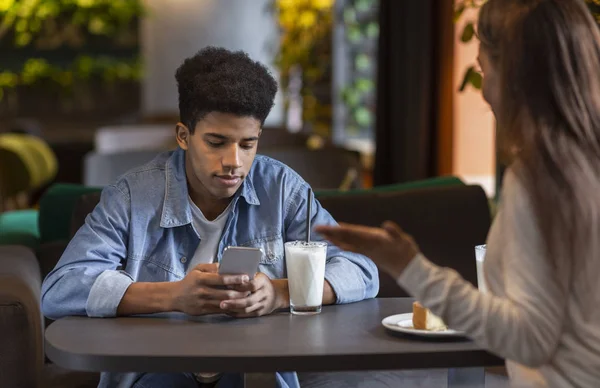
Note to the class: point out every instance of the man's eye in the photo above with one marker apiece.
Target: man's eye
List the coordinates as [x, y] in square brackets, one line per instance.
[247, 146]
[215, 144]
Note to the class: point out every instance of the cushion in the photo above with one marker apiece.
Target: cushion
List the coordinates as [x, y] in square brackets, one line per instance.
[56, 209]
[19, 227]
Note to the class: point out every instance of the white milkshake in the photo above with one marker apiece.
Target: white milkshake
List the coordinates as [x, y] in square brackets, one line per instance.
[305, 262]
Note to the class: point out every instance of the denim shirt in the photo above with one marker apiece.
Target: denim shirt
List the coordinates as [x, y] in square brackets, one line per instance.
[141, 231]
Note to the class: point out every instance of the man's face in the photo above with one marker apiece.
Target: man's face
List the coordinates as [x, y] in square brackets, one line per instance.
[219, 153]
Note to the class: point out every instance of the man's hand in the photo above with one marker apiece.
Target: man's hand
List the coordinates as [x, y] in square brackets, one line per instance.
[265, 296]
[203, 290]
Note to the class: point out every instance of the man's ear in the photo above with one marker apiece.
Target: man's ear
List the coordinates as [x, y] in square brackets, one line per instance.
[182, 134]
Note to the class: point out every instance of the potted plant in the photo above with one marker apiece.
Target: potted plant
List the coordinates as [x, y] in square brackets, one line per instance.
[304, 61]
[78, 51]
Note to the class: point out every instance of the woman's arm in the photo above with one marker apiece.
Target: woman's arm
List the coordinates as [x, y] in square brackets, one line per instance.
[524, 326]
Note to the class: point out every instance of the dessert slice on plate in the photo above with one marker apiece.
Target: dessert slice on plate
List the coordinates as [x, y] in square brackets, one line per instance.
[424, 319]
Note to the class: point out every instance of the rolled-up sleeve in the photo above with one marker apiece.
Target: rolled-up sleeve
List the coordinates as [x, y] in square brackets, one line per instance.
[353, 277]
[87, 279]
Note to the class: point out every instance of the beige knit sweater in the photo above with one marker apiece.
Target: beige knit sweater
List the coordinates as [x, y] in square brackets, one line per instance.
[525, 318]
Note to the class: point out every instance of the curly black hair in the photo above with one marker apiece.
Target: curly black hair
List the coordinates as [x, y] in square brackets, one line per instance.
[219, 80]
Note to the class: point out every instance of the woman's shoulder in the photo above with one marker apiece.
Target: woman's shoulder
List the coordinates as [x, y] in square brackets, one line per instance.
[514, 191]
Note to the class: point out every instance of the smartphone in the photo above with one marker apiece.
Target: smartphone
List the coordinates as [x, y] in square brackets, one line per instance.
[240, 260]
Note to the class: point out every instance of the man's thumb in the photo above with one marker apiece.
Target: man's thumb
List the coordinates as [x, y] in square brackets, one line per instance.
[207, 267]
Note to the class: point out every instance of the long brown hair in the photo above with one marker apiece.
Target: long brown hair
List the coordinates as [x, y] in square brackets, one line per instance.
[547, 53]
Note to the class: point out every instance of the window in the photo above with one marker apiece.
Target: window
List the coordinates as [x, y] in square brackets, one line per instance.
[355, 40]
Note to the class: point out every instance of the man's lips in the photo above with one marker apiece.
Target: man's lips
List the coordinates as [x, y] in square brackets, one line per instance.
[228, 180]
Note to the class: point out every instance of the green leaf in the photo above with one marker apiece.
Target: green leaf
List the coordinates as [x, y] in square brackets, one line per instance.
[476, 80]
[472, 77]
[35, 25]
[364, 85]
[372, 30]
[84, 65]
[354, 34]
[63, 78]
[349, 16]
[35, 69]
[85, 3]
[6, 5]
[468, 32]
[8, 79]
[23, 39]
[47, 9]
[21, 25]
[465, 80]
[363, 5]
[459, 11]
[363, 62]
[97, 26]
[351, 97]
[362, 116]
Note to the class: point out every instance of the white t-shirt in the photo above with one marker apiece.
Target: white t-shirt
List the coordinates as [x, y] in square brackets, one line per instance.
[210, 235]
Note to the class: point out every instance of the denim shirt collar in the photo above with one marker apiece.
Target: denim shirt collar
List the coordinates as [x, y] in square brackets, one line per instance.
[176, 207]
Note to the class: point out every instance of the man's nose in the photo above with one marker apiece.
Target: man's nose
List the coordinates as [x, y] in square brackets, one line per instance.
[231, 157]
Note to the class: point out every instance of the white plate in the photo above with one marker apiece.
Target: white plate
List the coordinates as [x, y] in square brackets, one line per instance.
[402, 323]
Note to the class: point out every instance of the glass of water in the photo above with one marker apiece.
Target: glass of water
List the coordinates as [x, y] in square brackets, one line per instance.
[479, 259]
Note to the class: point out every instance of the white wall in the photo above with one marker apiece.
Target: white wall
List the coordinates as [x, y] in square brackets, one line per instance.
[474, 137]
[176, 29]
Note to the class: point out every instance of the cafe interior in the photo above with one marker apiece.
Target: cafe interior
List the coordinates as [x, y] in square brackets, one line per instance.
[379, 108]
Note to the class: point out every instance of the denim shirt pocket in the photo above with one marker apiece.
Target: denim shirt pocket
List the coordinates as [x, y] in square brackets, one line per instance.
[272, 247]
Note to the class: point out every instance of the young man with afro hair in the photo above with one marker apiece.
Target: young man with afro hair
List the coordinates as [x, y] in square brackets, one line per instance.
[152, 243]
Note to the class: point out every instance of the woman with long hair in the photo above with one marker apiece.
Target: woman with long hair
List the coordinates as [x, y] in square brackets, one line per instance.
[541, 65]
